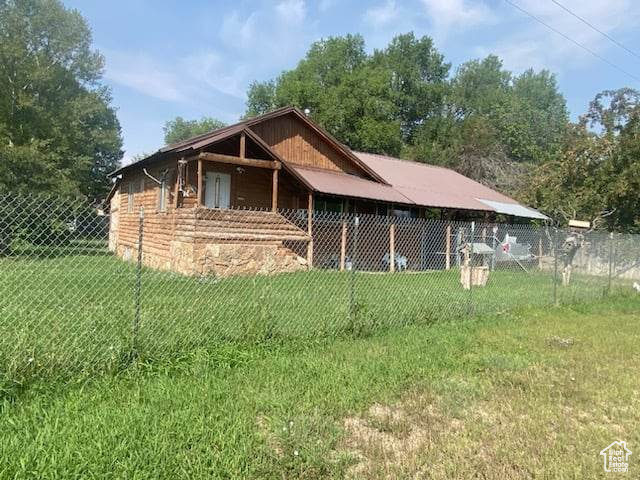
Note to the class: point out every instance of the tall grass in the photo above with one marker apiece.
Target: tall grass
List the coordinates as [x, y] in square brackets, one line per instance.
[63, 315]
[533, 393]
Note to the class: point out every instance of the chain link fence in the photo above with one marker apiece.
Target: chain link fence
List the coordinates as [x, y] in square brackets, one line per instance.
[79, 295]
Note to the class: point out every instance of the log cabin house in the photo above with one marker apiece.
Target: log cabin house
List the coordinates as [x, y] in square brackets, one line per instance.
[213, 204]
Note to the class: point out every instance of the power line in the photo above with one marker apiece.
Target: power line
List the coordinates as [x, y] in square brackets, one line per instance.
[596, 29]
[587, 49]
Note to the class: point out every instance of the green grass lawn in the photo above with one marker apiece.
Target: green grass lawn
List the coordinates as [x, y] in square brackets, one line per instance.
[66, 316]
[536, 392]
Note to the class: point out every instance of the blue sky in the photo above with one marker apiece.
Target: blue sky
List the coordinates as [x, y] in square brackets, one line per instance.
[194, 58]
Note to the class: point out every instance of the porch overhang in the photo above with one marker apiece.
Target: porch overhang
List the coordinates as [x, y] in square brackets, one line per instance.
[240, 161]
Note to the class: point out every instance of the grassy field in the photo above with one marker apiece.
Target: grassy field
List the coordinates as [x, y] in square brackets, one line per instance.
[536, 392]
[65, 315]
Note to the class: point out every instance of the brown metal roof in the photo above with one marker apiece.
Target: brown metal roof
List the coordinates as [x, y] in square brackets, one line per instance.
[396, 181]
[433, 186]
[343, 184]
[200, 141]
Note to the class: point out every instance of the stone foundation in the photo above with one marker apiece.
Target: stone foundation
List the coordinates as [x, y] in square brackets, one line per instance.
[219, 260]
[224, 260]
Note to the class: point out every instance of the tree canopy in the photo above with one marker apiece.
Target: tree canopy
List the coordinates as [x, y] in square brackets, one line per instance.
[400, 100]
[371, 102]
[597, 171]
[180, 129]
[58, 132]
[509, 131]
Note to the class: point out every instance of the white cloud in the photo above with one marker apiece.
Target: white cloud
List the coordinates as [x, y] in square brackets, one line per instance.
[383, 14]
[250, 45]
[218, 73]
[446, 14]
[291, 11]
[272, 38]
[533, 44]
[190, 80]
[238, 30]
[144, 74]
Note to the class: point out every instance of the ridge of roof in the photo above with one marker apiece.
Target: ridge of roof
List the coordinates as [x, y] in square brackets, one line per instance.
[218, 131]
[413, 162]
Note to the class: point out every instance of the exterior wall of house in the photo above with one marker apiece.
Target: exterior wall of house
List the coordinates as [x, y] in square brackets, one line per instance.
[199, 241]
[160, 227]
[299, 144]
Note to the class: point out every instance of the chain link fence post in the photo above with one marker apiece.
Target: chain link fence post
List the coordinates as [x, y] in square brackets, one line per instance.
[138, 289]
[471, 240]
[611, 260]
[555, 265]
[352, 274]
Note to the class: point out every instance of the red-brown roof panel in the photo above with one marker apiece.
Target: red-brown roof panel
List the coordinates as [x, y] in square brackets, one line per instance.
[343, 184]
[430, 185]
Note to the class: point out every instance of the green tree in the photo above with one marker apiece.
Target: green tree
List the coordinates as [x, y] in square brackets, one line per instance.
[418, 75]
[478, 87]
[570, 185]
[58, 132]
[494, 126]
[598, 167]
[532, 122]
[261, 98]
[610, 110]
[371, 102]
[621, 177]
[179, 129]
[484, 122]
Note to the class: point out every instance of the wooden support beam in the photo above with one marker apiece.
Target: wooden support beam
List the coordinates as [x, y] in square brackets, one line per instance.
[243, 145]
[200, 181]
[343, 245]
[392, 247]
[274, 191]
[310, 230]
[447, 258]
[246, 162]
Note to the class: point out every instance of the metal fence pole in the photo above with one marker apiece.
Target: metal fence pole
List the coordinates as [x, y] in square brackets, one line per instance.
[555, 266]
[138, 288]
[352, 275]
[610, 263]
[471, 240]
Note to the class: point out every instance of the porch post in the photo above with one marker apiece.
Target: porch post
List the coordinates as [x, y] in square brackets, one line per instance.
[200, 182]
[310, 230]
[274, 191]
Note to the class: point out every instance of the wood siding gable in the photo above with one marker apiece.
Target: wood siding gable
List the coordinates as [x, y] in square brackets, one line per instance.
[298, 144]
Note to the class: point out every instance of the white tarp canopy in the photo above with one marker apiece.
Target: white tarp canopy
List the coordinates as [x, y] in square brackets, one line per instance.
[514, 209]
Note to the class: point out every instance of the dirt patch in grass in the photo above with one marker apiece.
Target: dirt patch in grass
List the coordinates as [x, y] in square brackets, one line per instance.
[389, 440]
[541, 421]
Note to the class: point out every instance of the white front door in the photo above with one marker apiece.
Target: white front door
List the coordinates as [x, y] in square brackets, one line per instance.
[217, 190]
